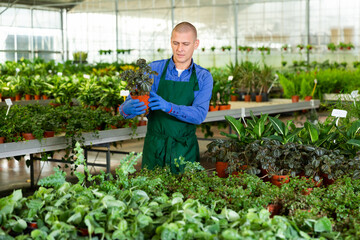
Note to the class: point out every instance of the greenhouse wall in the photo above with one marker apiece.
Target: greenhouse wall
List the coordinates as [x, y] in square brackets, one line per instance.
[144, 27]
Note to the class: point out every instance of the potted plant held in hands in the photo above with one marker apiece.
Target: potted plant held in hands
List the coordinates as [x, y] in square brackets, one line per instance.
[139, 81]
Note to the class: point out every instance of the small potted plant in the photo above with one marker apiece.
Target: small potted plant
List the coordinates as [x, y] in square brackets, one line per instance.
[221, 152]
[139, 81]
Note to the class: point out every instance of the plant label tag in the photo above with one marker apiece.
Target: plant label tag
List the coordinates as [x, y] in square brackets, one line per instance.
[8, 102]
[124, 93]
[339, 113]
[86, 76]
[230, 78]
[59, 74]
[355, 94]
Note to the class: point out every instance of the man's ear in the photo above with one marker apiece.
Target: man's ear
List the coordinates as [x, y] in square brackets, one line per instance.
[197, 42]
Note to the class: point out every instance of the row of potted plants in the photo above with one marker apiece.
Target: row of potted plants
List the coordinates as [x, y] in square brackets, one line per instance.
[269, 145]
[38, 121]
[286, 47]
[248, 82]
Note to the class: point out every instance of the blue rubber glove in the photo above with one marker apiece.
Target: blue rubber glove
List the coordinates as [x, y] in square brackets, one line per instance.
[158, 103]
[132, 107]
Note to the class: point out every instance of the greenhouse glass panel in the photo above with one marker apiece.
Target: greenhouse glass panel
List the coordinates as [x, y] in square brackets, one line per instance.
[47, 19]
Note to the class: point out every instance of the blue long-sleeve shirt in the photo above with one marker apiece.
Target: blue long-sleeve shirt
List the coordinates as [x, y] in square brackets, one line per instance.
[196, 113]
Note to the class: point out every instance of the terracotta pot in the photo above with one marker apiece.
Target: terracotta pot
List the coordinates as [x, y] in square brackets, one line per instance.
[143, 98]
[247, 98]
[44, 97]
[258, 98]
[295, 98]
[274, 209]
[308, 98]
[12, 99]
[37, 97]
[233, 98]
[17, 97]
[279, 180]
[2, 139]
[48, 134]
[32, 225]
[224, 107]
[92, 107]
[27, 97]
[28, 136]
[142, 123]
[212, 108]
[113, 127]
[220, 169]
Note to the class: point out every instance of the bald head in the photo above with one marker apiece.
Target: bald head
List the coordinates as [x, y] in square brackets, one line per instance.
[184, 27]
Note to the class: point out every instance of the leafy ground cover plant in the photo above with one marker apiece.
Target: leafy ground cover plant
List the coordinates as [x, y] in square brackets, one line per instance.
[121, 209]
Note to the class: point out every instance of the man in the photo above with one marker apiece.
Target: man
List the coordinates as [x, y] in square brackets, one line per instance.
[179, 100]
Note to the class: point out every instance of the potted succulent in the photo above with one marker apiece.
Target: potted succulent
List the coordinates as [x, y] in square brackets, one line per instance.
[139, 81]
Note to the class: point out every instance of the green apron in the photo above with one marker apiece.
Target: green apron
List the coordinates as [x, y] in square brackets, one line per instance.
[168, 138]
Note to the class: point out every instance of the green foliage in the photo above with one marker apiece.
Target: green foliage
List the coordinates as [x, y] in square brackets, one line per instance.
[139, 81]
[55, 180]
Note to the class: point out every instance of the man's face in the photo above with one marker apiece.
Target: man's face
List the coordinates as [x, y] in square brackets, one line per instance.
[183, 46]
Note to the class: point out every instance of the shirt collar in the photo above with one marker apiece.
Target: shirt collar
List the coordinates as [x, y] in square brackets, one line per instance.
[172, 64]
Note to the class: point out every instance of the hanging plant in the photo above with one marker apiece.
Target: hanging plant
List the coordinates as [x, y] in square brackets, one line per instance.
[284, 47]
[342, 46]
[249, 49]
[212, 48]
[203, 49]
[350, 46]
[300, 46]
[331, 47]
[264, 49]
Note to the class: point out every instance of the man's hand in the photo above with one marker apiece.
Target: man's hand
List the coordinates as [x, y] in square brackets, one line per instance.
[158, 103]
[133, 107]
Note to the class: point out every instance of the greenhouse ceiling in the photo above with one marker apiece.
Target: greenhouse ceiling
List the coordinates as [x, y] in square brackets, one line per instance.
[67, 4]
